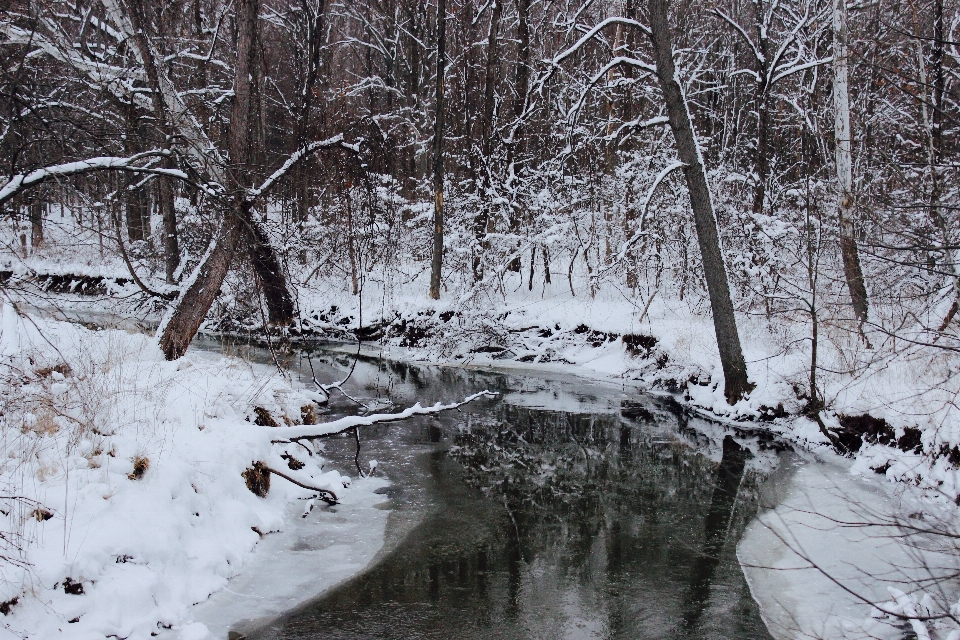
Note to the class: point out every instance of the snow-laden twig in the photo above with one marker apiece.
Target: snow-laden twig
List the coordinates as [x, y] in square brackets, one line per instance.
[301, 432]
[673, 166]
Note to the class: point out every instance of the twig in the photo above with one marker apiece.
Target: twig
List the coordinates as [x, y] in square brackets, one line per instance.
[324, 493]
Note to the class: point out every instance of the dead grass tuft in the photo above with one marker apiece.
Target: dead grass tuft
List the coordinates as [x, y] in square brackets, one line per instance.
[258, 479]
[140, 466]
[308, 414]
[264, 419]
[62, 368]
[43, 423]
[41, 514]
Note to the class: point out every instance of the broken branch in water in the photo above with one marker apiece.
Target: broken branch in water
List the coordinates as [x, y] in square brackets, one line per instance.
[336, 427]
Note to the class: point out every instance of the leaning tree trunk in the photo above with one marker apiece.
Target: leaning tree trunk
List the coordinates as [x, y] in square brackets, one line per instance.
[841, 100]
[195, 302]
[266, 264]
[198, 298]
[170, 112]
[436, 264]
[724, 322]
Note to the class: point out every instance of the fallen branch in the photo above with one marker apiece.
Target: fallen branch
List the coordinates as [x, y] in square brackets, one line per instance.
[325, 494]
[306, 432]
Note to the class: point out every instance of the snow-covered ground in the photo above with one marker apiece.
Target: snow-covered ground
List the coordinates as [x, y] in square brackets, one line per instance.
[124, 503]
[836, 555]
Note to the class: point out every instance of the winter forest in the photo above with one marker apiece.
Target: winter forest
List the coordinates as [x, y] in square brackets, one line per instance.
[315, 311]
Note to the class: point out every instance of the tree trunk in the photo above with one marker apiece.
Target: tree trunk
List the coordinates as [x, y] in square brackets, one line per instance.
[195, 302]
[936, 154]
[314, 46]
[841, 100]
[533, 264]
[135, 214]
[269, 270]
[436, 263]
[521, 86]
[36, 223]
[939, 80]
[198, 298]
[489, 101]
[171, 245]
[724, 322]
[762, 103]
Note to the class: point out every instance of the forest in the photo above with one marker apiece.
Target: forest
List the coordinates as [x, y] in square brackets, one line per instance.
[749, 206]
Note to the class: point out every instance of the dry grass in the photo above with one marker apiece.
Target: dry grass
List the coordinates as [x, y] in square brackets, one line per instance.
[140, 466]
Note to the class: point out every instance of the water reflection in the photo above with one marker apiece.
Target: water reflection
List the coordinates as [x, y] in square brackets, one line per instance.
[727, 479]
[566, 510]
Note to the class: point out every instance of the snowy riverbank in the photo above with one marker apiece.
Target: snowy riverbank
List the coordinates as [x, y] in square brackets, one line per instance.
[163, 405]
[124, 501]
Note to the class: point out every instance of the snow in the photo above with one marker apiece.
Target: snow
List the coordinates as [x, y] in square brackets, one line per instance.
[316, 551]
[845, 525]
[138, 461]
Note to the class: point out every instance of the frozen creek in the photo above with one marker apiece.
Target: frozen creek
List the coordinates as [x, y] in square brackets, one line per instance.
[566, 509]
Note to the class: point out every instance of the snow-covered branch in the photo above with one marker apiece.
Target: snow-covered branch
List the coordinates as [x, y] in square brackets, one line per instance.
[302, 432]
[593, 33]
[757, 54]
[21, 182]
[297, 156]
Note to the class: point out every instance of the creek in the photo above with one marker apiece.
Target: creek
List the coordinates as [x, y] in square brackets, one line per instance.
[562, 509]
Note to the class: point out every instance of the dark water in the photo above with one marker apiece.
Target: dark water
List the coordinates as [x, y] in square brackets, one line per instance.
[564, 509]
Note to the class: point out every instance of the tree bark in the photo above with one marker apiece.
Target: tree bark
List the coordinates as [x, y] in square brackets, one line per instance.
[266, 263]
[36, 223]
[196, 301]
[436, 264]
[198, 298]
[489, 101]
[171, 245]
[841, 99]
[728, 340]
[135, 214]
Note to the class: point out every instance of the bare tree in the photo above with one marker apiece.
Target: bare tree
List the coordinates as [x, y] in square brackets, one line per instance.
[436, 262]
[736, 382]
[848, 242]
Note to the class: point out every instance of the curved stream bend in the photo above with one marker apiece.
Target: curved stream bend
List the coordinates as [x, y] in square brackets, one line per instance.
[566, 509]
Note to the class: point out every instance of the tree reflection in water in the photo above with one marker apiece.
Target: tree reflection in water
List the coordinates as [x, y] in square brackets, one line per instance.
[619, 524]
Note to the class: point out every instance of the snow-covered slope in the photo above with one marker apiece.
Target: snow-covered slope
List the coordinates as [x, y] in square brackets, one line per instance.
[123, 498]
